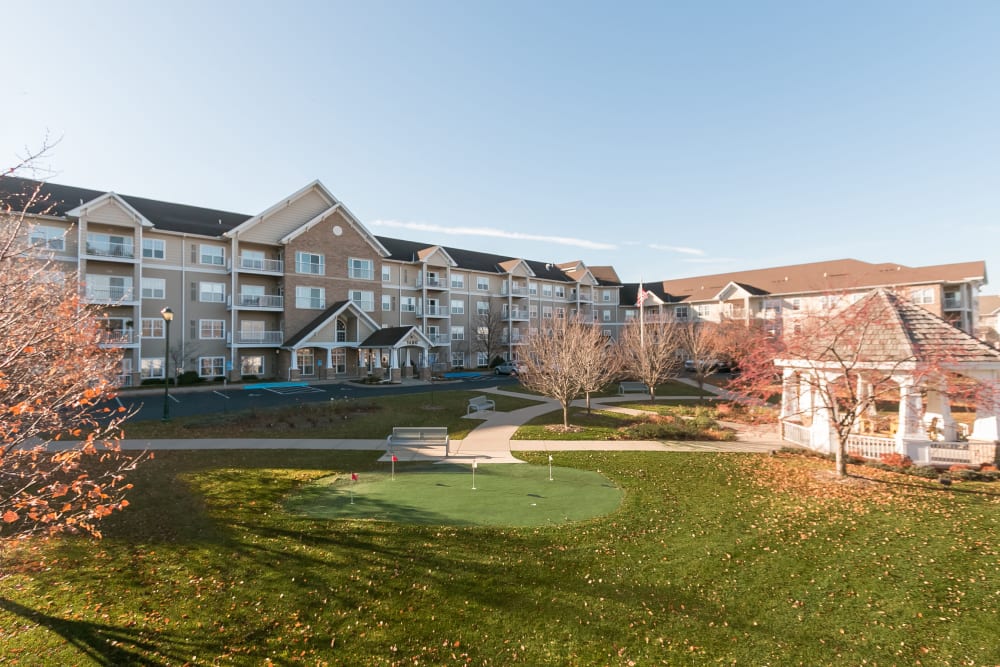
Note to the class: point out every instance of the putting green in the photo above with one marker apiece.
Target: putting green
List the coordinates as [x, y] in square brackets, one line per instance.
[504, 495]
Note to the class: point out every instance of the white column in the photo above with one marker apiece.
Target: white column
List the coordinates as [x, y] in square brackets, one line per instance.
[378, 358]
[987, 425]
[822, 435]
[938, 414]
[789, 393]
[394, 358]
[909, 427]
[295, 359]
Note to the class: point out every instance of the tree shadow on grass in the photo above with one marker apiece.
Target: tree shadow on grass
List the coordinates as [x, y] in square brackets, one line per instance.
[108, 644]
[938, 487]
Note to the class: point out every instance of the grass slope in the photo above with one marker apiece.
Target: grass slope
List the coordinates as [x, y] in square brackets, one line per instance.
[732, 559]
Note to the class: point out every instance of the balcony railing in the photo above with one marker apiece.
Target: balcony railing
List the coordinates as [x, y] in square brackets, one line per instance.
[439, 338]
[513, 290]
[582, 297]
[261, 301]
[436, 311]
[435, 283]
[952, 303]
[256, 338]
[109, 294]
[118, 337]
[262, 265]
[516, 314]
[101, 248]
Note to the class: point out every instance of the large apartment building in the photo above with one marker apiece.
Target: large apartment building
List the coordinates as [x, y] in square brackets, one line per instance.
[303, 290]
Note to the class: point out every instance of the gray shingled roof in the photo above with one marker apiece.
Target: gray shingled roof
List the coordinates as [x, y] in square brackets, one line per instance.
[883, 328]
[387, 337]
[59, 199]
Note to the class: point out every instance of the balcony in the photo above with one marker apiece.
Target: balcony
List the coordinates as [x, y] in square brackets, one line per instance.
[258, 265]
[104, 248]
[436, 311]
[516, 314]
[952, 301]
[432, 282]
[109, 295]
[581, 296]
[516, 339]
[118, 338]
[513, 290]
[256, 302]
[261, 338]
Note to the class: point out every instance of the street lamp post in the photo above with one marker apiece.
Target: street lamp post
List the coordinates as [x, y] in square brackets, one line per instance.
[168, 316]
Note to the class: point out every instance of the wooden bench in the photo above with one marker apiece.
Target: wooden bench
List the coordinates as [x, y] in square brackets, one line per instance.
[418, 436]
[632, 388]
[480, 403]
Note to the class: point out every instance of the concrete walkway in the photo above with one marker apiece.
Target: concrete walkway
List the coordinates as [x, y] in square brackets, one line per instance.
[490, 442]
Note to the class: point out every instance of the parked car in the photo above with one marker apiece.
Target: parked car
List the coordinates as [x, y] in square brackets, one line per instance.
[507, 368]
[712, 365]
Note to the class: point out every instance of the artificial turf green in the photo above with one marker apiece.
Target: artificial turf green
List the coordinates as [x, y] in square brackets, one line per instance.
[504, 495]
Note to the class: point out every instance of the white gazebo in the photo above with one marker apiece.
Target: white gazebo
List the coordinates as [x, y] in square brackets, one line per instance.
[883, 346]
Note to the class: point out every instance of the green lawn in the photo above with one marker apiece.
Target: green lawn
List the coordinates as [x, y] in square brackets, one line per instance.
[606, 425]
[361, 418]
[670, 388]
[710, 559]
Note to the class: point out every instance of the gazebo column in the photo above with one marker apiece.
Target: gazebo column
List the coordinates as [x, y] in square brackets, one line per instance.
[790, 388]
[984, 441]
[866, 411]
[822, 435]
[805, 398]
[937, 414]
[911, 438]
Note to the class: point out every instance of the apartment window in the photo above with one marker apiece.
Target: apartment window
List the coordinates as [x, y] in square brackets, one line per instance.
[154, 248]
[630, 315]
[407, 304]
[482, 308]
[457, 359]
[212, 292]
[154, 288]
[922, 296]
[150, 368]
[364, 299]
[212, 255]
[458, 281]
[50, 238]
[532, 289]
[211, 329]
[533, 312]
[458, 333]
[109, 288]
[307, 262]
[310, 298]
[482, 359]
[794, 304]
[606, 296]
[703, 310]
[152, 327]
[547, 312]
[457, 307]
[386, 302]
[560, 313]
[606, 333]
[547, 290]
[560, 291]
[681, 312]
[252, 365]
[606, 315]
[209, 367]
[482, 332]
[386, 273]
[252, 331]
[361, 269]
[482, 284]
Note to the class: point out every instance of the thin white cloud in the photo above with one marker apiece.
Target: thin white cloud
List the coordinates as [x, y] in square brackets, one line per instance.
[674, 248]
[494, 233]
[708, 260]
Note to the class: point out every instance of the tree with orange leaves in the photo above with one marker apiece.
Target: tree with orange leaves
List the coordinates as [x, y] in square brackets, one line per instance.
[61, 468]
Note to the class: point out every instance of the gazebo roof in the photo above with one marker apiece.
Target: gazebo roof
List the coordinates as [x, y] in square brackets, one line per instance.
[884, 328]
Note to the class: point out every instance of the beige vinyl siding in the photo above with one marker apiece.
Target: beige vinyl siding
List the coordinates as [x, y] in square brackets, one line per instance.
[283, 222]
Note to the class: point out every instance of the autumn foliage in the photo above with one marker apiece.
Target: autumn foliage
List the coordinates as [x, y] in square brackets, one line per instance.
[60, 466]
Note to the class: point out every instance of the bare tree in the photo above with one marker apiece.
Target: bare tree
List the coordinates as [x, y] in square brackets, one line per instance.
[489, 326]
[54, 374]
[553, 361]
[650, 352]
[600, 362]
[702, 344]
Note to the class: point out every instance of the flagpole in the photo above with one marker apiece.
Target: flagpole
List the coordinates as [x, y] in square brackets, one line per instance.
[642, 319]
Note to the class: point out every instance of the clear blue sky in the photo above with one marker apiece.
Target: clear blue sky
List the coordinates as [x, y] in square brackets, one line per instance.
[666, 139]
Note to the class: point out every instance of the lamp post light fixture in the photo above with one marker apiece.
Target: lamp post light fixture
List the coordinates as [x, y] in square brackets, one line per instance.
[168, 316]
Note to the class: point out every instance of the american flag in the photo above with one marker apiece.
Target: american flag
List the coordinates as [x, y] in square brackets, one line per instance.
[643, 295]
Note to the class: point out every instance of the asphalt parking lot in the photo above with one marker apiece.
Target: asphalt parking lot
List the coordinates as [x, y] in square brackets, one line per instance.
[199, 400]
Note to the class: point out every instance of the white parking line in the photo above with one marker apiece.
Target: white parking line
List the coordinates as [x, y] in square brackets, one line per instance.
[220, 394]
[288, 391]
[172, 398]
